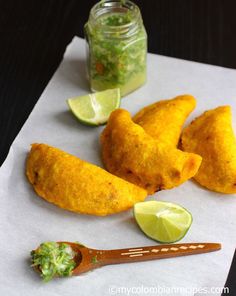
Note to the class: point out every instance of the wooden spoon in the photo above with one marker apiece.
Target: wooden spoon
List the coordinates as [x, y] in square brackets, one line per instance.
[88, 259]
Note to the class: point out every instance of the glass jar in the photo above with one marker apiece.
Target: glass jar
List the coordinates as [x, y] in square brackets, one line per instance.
[117, 46]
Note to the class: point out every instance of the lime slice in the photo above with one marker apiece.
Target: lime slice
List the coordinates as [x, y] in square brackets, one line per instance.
[95, 108]
[163, 221]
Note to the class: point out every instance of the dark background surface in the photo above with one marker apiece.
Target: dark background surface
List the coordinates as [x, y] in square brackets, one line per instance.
[34, 35]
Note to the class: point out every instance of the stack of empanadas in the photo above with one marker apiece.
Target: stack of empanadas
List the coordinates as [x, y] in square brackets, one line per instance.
[144, 150]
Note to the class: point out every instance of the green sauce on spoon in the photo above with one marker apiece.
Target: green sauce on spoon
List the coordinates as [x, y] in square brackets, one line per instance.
[52, 259]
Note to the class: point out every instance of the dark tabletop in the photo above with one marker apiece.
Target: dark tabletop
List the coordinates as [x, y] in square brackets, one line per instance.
[34, 35]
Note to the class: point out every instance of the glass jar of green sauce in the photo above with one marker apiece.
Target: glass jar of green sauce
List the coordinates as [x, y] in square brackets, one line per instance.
[117, 46]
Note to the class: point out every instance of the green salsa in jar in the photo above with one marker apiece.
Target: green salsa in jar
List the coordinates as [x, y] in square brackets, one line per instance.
[117, 46]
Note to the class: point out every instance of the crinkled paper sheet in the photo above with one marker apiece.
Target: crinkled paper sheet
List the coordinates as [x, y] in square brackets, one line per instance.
[27, 220]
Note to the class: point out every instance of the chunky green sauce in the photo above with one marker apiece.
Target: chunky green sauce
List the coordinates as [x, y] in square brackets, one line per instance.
[116, 60]
[53, 259]
[116, 19]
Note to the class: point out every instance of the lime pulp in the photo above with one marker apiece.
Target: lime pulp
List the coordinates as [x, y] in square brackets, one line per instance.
[162, 221]
[95, 108]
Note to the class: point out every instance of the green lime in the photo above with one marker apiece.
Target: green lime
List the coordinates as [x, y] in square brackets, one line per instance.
[95, 108]
[163, 221]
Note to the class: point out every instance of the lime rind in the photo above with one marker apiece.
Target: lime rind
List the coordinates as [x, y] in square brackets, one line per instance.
[94, 109]
[162, 221]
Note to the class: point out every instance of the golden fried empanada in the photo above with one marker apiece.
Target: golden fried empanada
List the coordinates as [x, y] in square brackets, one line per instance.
[130, 153]
[211, 136]
[78, 186]
[164, 120]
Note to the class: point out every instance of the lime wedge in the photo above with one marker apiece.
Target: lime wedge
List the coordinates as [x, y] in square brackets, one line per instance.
[162, 221]
[95, 108]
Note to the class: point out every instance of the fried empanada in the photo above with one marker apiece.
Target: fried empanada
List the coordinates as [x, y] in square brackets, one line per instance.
[211, 136]
[130, 153]
[78, 186]
[164, 120]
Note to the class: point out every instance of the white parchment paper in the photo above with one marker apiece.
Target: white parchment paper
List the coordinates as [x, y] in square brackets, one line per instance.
[27, 220]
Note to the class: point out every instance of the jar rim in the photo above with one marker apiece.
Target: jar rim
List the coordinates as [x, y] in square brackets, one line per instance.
[106, 6]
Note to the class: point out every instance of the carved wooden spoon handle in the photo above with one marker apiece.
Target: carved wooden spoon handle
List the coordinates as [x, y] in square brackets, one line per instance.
[155, 252]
